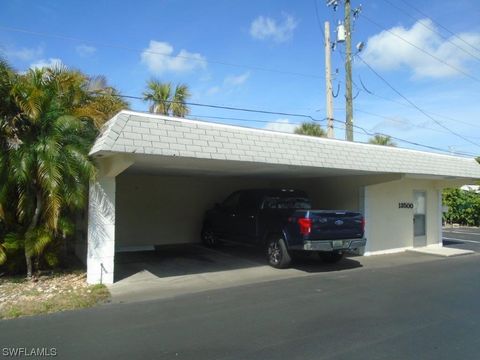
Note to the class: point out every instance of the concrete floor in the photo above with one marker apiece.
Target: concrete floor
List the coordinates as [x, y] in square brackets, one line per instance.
[185, 269]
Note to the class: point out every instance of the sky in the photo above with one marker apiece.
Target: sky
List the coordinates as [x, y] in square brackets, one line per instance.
[269, 55]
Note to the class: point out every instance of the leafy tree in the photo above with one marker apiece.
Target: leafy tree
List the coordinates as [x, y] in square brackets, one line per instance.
[48, 124]
[310, 129]
[100, 101]
[382, 140]
[463, 207]
[164, 101]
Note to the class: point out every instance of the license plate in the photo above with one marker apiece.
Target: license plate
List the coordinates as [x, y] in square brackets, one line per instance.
[337, 244]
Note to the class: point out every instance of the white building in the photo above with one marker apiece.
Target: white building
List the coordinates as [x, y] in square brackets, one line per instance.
[474, 188]
[158, 175]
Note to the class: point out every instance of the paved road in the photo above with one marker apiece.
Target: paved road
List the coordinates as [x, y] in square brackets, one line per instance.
[426, 310]
[462, 238]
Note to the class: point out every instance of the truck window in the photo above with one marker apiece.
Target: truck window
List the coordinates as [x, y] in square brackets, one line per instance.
[248, 203]
[232, 201]
[276, 202]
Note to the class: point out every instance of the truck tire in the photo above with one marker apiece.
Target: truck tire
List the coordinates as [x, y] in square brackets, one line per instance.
[331, 257]
[209, 239]
[277, 252]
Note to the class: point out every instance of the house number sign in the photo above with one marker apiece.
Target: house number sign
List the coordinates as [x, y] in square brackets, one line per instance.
[405, 205]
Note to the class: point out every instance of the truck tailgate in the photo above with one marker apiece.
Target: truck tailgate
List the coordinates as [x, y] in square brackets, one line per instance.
[335, 224]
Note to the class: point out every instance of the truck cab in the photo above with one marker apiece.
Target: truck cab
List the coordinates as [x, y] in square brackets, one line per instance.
[281, 221]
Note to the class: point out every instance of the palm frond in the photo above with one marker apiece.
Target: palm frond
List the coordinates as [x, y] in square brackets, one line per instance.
[36, 241]
[310, 129]
[3, 255]
[179, 106]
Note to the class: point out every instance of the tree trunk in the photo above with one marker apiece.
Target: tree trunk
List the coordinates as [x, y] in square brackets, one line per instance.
[33, 225]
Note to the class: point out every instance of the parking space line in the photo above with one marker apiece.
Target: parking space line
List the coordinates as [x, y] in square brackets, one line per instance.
[463, 240]
[462, 232]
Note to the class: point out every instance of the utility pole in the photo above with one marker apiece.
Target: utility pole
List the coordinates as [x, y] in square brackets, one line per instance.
[328, 82]
[348, 74]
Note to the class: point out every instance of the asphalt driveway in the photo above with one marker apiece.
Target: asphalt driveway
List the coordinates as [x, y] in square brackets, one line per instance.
[467, 238]
[407, 306]
[185, 269]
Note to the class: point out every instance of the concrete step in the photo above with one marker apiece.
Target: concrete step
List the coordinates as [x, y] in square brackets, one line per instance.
[438, 250]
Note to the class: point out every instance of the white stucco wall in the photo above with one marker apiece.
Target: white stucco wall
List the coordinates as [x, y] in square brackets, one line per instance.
[156, 210]
[390, 228]
[160, 209]
[101, 231]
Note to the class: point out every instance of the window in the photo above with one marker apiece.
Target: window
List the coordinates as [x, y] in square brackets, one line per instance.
[232, 201]
[276, 202]
[248, 202]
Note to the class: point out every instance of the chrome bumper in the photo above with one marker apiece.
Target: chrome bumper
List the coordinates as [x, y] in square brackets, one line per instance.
[331, 245]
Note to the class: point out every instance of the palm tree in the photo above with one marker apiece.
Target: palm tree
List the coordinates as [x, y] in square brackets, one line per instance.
[163, 101]
[44, 165]
[101, 102]
[310, 129]
[380, 139]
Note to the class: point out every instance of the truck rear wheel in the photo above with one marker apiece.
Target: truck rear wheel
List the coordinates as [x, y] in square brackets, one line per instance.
[209, 239]
[277, 252]
[331, 257]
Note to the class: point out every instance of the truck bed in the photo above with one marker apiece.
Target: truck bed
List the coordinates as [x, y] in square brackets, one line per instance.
[328, 224]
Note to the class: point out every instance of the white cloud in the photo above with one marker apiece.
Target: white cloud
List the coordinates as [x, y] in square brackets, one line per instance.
[386, 51]
[266, 28]
[282, 125]
[85, 50]
[213, 90]
[159, 58]
[24, 54]
[230, 83]
[52, 62]
[236, 80]
[395, 123]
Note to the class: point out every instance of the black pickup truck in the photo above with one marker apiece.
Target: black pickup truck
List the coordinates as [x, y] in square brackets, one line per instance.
[282, 222]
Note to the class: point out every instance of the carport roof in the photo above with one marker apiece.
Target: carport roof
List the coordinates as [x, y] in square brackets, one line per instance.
[177, 138]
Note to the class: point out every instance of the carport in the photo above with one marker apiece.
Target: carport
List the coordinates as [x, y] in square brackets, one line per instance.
[157, 175]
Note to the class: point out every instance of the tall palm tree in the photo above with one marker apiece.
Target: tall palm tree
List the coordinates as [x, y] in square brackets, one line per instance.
[380, 139]
[100, 105]
[44, 163]
[164, 101]
[310, 129]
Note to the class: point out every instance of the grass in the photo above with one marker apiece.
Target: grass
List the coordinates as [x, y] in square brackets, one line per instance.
[32, 299]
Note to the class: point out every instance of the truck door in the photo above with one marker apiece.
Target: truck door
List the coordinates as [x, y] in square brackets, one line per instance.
[246, 223]
[226, 216]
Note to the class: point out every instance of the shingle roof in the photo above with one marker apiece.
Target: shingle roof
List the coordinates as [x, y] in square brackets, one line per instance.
[132, 132]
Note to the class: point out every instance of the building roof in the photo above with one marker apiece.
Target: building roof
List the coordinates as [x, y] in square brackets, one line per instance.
[148, 134]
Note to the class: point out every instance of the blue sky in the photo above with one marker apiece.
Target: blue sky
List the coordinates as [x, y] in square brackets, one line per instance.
[219, 47]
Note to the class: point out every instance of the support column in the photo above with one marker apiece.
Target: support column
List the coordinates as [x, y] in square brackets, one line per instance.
[101, 231]
[440, 216]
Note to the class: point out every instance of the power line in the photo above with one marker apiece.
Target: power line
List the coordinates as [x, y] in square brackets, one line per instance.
[414, 105]
[406, 105]
[319, 21]
[457, 69]
[432, 29]
[369, 133]
[410, 106]
[363, 132]
[261, 111]
[243, 119]
[440, 25]
[136, 50]
[414, 125]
